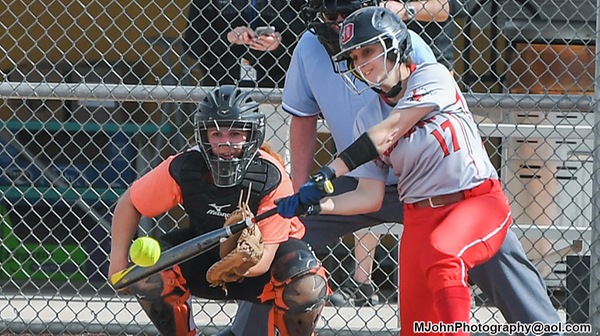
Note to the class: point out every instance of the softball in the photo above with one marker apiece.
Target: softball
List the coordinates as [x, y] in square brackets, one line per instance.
[145, 251]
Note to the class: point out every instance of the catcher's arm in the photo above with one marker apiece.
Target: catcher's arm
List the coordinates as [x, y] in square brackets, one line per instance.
[265, 262]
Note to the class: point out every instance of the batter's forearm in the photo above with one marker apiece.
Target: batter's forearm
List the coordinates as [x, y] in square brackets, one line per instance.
[387, 133]
[366, 198]
[368, 146]
[361, 151]
[378, 139]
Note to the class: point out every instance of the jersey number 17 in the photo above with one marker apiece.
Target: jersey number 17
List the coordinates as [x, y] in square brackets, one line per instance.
[446, 125]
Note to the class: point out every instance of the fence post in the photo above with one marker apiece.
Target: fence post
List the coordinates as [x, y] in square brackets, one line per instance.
[595, 244]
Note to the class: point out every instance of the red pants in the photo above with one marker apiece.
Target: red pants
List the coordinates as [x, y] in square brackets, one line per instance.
[440, 245]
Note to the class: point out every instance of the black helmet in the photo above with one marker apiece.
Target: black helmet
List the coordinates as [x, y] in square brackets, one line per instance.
[228, 108]
[369, 26]
[320, 15]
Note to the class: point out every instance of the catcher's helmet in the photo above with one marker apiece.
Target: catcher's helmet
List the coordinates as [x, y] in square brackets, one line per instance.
[228, 108]
[369, 26]
[321, 16]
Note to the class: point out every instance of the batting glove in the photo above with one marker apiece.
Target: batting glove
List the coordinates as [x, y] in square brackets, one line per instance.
[306, 201]
[319, 186]
[291, 206]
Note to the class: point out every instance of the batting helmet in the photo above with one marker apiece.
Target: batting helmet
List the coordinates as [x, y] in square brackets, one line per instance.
[228, 108]
[321, 16]
[369, 26]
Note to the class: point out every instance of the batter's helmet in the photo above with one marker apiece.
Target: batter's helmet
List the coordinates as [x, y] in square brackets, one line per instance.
[321, 16]
[228, 108]
[369, 26]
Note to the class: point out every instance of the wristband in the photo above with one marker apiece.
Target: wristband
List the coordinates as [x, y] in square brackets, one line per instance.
[359, 152]
[314, 209]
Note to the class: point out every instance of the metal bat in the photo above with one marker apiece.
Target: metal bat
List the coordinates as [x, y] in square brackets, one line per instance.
[184, 251]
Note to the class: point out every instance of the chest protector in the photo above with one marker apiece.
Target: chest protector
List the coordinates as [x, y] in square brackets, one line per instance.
[207, 205]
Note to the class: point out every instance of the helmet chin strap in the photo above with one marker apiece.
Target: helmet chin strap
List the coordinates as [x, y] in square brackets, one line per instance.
[394, 91]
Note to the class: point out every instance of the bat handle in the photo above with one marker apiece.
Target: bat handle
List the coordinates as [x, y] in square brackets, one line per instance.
[264, 215]
[249, 222]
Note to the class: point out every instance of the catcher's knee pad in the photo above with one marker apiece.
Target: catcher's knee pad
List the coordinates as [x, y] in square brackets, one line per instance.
[166, 300]
[299, 290]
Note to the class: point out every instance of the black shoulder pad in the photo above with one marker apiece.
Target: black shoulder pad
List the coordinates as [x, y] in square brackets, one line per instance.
[263, 175]
[186, 164]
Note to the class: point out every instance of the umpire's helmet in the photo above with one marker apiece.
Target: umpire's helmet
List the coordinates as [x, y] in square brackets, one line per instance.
[228, 108]
[369, 26]
[321, 16]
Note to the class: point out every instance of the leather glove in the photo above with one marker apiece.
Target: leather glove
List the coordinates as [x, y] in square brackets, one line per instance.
[306, 201]
[239, 255]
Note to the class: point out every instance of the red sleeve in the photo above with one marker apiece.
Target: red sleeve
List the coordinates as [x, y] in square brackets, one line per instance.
[156, 192]
[277, 229]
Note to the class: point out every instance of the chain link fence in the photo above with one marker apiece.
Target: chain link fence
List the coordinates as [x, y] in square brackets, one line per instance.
[96, 92]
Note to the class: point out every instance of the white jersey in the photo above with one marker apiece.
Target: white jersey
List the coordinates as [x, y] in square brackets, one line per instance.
[312, 87]
[443, 153]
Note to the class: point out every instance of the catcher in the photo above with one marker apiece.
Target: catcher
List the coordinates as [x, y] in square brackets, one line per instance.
[229, 160]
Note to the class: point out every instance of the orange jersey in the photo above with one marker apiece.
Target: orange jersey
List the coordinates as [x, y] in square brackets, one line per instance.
[157, 192]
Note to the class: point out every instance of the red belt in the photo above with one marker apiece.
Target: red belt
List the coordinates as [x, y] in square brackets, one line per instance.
[443, 200]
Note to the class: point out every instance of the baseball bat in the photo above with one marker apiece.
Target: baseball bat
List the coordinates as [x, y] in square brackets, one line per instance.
[184, 251]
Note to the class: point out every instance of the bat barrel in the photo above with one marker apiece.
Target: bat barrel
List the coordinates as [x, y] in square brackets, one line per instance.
[196, 246]
[180, 253]
[184, 251]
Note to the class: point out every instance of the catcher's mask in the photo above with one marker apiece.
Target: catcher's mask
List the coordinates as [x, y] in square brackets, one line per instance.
[365, 27]
[229, 109]
[324, 17]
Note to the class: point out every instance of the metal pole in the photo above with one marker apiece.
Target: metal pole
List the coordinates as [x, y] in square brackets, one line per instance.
[595, 244]
[193, 94]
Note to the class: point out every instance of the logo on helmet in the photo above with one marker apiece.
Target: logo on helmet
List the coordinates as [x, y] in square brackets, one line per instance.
[347, 33]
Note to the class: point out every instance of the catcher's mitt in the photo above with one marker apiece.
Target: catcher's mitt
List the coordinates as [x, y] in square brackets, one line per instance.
[237, 256]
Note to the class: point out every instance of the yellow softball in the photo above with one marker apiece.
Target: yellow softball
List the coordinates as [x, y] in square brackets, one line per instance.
[145, 251]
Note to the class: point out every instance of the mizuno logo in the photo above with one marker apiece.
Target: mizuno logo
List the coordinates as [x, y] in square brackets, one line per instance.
[217, 207]
[217, 210]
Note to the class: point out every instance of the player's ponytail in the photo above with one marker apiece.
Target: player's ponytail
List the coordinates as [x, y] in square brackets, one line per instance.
[269, 150]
